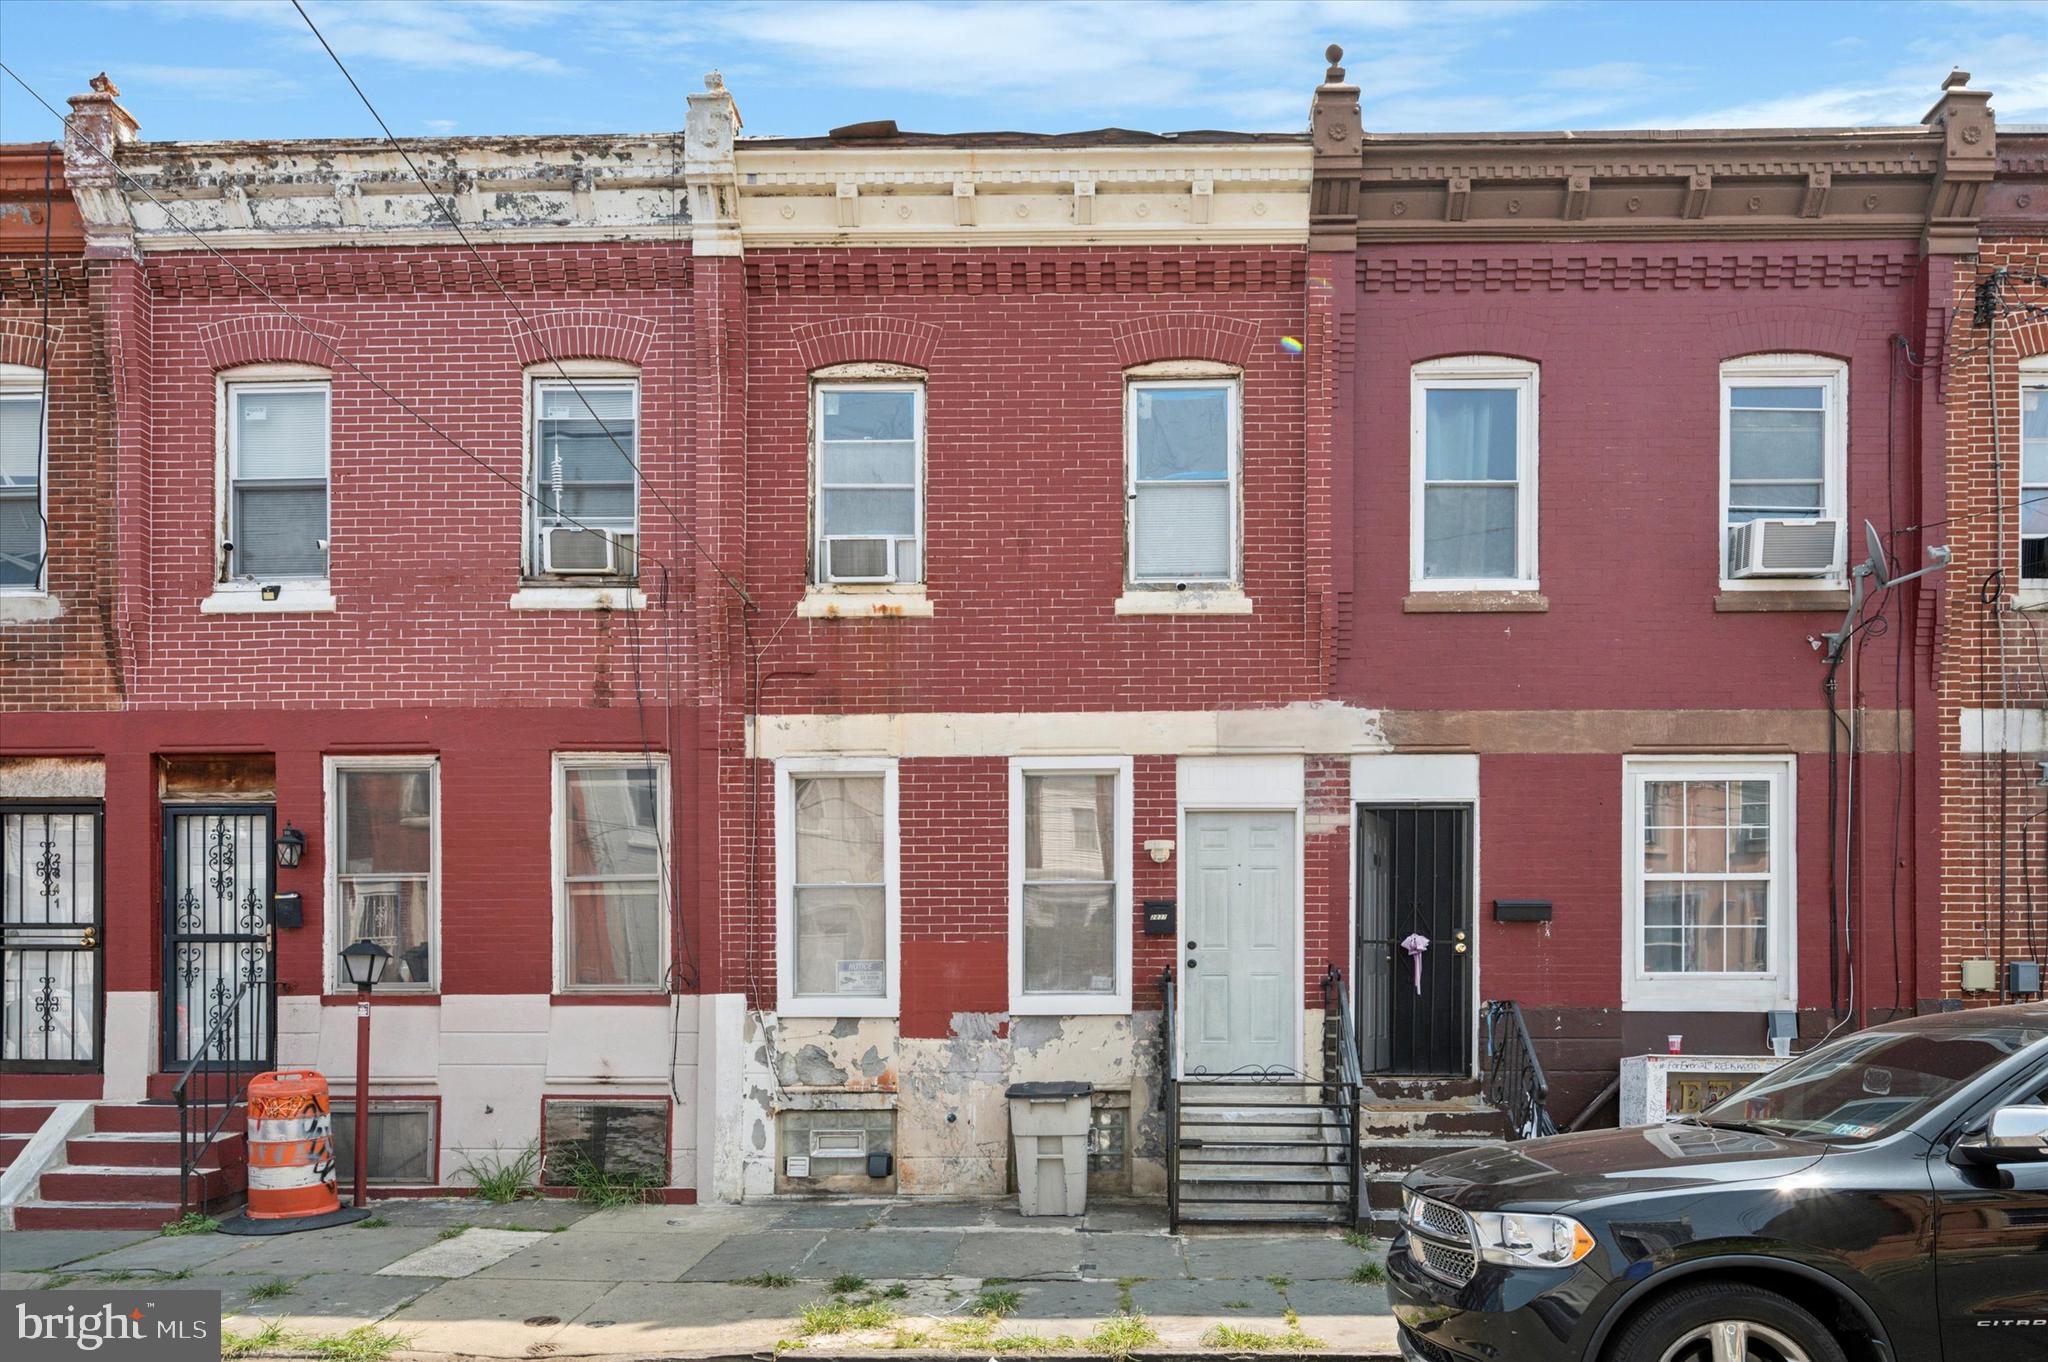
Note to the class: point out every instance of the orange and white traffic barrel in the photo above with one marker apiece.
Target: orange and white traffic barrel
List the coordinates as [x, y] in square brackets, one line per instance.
[291, 1146]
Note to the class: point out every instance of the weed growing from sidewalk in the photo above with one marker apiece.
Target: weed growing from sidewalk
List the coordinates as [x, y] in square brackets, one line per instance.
[768, 1279]
[366, 1343]
[191, 1223]
[1369, 1273]
[999, 1303]
[1362, 1242]
[1280, 1284]
[122, 1275]
[1123, 1293]
[846, 1283]
[1261, 1341]
[842, 1316]
[375, 1222]
[895, 1291]
[595, 1187]
[272, 1289]
[1237, 1305]
[455, 1231]
[1121, 1335]
[59, 1279]
[499, 1179]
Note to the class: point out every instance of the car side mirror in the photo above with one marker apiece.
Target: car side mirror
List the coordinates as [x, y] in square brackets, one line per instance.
[2015, 1134]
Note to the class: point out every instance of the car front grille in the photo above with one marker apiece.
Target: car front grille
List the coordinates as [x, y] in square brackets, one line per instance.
[1440, 1241]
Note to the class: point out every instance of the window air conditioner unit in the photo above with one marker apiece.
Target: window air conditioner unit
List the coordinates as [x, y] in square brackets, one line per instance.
[860, 560]
[571, 552]
[1785, 548]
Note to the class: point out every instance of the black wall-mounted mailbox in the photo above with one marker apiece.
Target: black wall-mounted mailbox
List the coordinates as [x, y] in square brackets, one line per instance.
[286, 910]
[1521, 910]
[1159, 917]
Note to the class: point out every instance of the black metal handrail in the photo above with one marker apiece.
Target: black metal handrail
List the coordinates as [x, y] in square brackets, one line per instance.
[1344, 1076]
[1514, 1076]
[224, 1067]
[1169, 1090]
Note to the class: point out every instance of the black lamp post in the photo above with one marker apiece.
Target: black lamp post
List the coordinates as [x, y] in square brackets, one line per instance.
[291, 846]
[363, 965]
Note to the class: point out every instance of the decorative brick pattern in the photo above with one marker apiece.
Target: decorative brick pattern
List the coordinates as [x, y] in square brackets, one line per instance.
[873, 340]
[1227, 340]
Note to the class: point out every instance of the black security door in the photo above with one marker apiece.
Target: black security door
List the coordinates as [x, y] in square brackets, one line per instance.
[1414, 939]
[217, 863]
[51, 919]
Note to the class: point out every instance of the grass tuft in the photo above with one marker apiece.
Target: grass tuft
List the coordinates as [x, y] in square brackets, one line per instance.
[997, 1304]
[192, 1222]
[375, 1222]
[841, 1316]
[1293, 1340]
[1120, 1336]
[768, 1279]
[1369, 1273]
[272, 1289]
[595, 1187]
[366, 1343]
[58, 1280]
[454, 1231]
[895, 1291]
[846, 1283]
[499, 1180]
[1362, 1242]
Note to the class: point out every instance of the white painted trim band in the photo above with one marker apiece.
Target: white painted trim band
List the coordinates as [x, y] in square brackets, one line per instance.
[1321, 727]
[1987, 732]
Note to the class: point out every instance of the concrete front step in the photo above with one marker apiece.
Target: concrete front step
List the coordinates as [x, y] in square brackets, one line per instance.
[137, 1117]
[142, 1186]
[40, 1215]
[1407, 1088]
[24, 1118]
[1253, 1213]
[1405, 1120]
[1398, 1156]
[149, 1149]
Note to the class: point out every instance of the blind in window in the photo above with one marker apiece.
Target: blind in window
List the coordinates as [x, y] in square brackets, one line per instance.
[281, 434]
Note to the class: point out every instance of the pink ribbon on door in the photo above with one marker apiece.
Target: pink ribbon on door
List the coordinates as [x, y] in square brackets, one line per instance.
[1415, 943]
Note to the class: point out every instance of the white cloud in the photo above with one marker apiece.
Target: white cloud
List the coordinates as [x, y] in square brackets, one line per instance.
[446, 36]
[222, 84]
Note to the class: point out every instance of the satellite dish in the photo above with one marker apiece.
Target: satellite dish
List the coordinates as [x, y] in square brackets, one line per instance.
[1880, 570]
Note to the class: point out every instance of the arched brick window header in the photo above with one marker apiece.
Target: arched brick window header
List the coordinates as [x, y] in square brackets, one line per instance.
[1226, 340]
[582, 333]
[240, 341]
[21, 342]
[867, 340]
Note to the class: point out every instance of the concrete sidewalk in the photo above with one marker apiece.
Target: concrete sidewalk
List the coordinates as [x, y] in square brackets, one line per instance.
[555, 1279]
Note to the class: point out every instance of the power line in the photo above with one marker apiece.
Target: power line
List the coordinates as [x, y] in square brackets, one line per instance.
[323, 342]
[447, 212]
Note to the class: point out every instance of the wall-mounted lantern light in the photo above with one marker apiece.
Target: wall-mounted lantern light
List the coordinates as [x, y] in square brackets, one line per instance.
[1160, 849]
[291, 846]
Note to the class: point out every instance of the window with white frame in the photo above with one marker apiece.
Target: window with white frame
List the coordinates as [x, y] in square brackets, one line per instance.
[837, 887]
[277, 466]
[1472, 447]
[611, 871]
[1070, 878]
[1182, 460]
[385, 868]
[2033, 485]
[24, 538]
[868, 475]
[1710, 883]
[583, 470]
[1784, 450]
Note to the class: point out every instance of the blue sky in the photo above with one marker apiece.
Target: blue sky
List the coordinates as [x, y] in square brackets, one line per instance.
[249, 69]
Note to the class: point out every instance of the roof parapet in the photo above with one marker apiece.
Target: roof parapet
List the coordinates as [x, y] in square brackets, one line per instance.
[1337, 132]
[97, 128]
[1969, 161]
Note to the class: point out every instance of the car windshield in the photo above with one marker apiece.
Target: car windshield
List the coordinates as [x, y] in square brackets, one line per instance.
[1866, 1086]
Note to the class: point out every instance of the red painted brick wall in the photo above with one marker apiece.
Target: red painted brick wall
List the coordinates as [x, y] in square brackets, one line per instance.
[1994, 893]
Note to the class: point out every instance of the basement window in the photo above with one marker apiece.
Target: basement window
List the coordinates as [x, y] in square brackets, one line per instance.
[624, 1139]
[402, 1141]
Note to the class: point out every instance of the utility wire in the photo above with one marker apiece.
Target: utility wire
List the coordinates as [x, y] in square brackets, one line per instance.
[322, 341]
[447, 212]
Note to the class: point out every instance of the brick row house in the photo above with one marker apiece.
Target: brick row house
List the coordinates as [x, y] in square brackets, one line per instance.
[782, 639]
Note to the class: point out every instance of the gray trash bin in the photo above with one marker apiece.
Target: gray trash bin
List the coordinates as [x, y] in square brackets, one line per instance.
[1049, 1122]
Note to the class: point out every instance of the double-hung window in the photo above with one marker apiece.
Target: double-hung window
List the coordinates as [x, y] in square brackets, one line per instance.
[1784, 449]
[868, 469]
[611, 863]
[1070, 877]
[24, 539]
[2033, 484]
[837, 887]
[385, 835]
[1472, 447]
[582, 467]
[1710, 883]
[277, 458]
[1182, 461]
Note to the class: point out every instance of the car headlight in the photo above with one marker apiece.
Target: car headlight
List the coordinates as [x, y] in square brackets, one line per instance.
[1531, 1240]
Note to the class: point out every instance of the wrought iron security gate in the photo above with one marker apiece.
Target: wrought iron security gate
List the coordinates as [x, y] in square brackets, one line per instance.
[51, 918]
[217, 927]
[1414, 939]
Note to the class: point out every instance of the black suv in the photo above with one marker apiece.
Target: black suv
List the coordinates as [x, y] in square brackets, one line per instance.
[1882, 1198]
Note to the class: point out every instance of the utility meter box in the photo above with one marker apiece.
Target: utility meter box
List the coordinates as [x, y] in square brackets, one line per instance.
[1049, 1130]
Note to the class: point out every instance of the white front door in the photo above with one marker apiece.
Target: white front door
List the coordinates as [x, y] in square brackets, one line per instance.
[1240, 981]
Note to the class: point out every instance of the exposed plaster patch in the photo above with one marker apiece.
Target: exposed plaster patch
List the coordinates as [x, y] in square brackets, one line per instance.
[811, 1067]
[872, 1064]
[1032, 1034]
[845, 1027]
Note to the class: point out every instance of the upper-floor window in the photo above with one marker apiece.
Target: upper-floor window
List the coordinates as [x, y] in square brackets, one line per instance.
[582, 471]
[2033, 485]
[277, 462]
[385, 867]
[1472, 447]
[868, 482]
[23, 512]
[1784, 449]
[1183, 463]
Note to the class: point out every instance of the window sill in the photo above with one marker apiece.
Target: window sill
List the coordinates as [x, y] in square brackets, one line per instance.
[1788, 600]
[864, 603]
[645, 997]
[309, 599]
[839, 1009]
[28, 607]
[1643, 997]
[2029, 598]
[1075, 1006]
[387, 995]
[1514, 601]
[1193, 601]
[616, 597]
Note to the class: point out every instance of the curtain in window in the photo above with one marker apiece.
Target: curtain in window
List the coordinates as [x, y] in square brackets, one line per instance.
[385, 866]
[1182, 484]
[1470, 489]
[1069, 884]
[612, 878]
[839, 907]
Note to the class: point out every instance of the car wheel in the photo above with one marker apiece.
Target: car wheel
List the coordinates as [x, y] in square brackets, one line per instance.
[1717, 1322]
